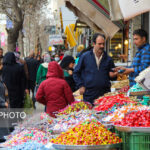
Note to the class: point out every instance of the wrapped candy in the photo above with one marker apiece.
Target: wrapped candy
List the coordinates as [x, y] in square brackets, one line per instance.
[136, 119]
[89, 132]
[108, 102]
[76, 106]
[26, 136]
[119, 113]
[64, 122]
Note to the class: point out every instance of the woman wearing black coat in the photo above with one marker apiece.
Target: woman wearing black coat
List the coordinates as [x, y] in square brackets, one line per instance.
[13, 76]
[67, 64]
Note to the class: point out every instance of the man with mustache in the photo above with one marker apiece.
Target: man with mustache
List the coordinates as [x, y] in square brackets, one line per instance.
[94, 71]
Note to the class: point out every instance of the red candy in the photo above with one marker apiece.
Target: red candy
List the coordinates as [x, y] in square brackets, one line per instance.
[124, 89]
[106, 103]
[136, 119]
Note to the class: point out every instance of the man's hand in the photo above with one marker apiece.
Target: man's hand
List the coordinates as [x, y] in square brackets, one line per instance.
[128, 71]
[113, 74]
[82, 90]
[70, 72]
[119, 68]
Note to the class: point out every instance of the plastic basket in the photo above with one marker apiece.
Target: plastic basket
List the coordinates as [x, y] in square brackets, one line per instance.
[135, 141]
[114, 130]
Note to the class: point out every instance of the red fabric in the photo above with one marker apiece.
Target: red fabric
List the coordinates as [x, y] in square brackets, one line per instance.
[54, 92]
[61, 57]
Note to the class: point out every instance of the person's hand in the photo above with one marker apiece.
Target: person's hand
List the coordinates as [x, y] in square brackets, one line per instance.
[113, 74]
[6, 104]
[128, 71]
[70, 72]
[119, 68]
[82, 90]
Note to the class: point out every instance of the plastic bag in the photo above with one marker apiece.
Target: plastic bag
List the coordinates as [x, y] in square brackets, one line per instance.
[28, 103]
[35, 89]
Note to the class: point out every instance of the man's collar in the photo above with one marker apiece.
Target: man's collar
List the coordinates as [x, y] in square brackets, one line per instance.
[141, 47]
[95, 53]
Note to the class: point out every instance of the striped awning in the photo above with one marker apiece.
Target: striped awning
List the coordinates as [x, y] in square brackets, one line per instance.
[94, 14]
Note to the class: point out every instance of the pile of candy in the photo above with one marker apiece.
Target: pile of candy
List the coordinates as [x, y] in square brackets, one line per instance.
[124, 89]
[30, 146]
[46, 117]
[76, 106]
[64, 122]
[119, 113]
[87, 133]
[136, 119]
[106, 103]
[136, 88]
[27, 135]
[120, 84]
[40, 121]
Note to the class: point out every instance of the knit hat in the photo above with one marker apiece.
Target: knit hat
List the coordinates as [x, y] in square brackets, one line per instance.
[66, 61]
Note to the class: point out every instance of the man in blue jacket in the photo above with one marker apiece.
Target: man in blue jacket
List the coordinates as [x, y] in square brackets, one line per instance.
[94, 71]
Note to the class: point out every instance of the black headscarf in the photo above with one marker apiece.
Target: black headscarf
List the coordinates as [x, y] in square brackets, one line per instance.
[9, 59]
[66, 61]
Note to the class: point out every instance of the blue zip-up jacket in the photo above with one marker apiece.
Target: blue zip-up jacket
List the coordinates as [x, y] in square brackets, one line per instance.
[95, 80]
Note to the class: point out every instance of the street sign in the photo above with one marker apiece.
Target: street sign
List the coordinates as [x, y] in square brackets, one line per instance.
[56, 40]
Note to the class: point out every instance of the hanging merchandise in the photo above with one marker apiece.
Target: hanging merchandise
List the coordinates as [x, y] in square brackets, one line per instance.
[118, 8]
[137, 7]
[72, 37]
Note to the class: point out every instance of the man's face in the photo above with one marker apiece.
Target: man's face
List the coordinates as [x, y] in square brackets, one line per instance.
[1, 53]
[138, 40]
[99, 45]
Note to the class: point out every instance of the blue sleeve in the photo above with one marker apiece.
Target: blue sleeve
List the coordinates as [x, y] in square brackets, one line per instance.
[145, 61]
[77, 74]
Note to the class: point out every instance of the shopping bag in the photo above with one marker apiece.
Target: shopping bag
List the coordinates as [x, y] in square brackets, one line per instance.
[35, 89]
[28, 103]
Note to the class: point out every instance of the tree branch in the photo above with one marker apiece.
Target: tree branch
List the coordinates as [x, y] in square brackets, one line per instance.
[8, 15]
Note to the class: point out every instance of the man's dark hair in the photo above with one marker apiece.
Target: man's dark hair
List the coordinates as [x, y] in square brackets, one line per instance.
[1, 49]
[141, 33]
[96, 35]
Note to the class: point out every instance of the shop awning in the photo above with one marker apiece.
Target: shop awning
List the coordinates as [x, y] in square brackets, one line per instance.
[89, 12]
[127, 9]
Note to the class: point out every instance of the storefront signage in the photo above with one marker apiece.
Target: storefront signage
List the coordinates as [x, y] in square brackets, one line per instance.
[56, 40]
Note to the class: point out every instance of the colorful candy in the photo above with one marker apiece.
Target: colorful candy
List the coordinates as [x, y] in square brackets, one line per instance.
[87, 133]
[76, 106]
[124, 89]
[26, 136]
[64, 122]
[30, 146]
[106, 103]
[119, 113]
[46, 117]
[136, 119]
[136, 88]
